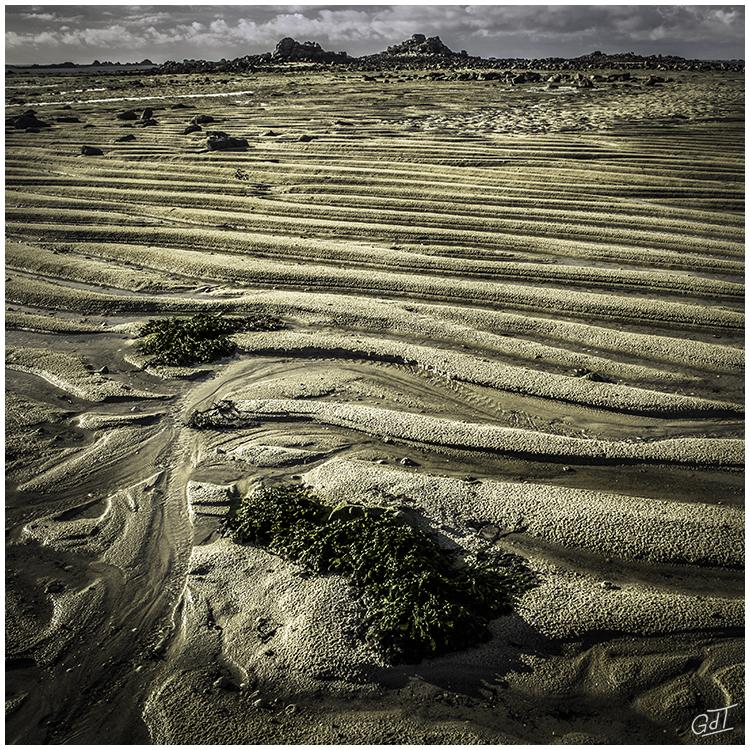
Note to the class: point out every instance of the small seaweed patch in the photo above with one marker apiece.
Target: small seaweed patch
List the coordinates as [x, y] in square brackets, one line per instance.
[421, 601]
[179, 342]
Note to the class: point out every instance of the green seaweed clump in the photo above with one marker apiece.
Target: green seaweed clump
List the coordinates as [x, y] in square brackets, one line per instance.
[179, 342]
[421, 601]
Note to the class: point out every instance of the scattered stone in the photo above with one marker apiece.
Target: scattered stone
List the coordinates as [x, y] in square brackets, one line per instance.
[149, 122]
[91, 151]
[406, 461]
[147, 114]
[125, 138]
[202, 120]
[192, 129]
[128, 114]
[306, 138]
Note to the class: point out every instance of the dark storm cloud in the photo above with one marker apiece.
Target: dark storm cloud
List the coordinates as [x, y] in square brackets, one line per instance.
[81, 33]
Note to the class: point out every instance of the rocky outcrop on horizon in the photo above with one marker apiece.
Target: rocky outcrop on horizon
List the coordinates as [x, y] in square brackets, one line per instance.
[290, 50]
[420, 46]
[422, 52]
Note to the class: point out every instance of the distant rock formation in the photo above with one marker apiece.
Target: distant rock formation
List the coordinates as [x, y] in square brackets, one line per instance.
[290, 50]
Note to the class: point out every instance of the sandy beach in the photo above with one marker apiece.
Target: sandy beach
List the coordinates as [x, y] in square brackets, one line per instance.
[514, 312]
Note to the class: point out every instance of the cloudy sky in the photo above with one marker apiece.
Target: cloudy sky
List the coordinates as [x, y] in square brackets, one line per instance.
[81, 33]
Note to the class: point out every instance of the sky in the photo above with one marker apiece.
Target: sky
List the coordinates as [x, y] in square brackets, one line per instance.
[125, 33]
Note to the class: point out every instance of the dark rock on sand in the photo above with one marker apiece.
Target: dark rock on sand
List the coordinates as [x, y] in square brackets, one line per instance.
[91, 151]
[148, 123]
[306, 138]
[27, 120]
[225, 142]
[125, 138]
[202, 120]
[147, 114]
[128, 114]
[192, 129]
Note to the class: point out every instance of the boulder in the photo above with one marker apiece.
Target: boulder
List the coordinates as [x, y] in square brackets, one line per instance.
[202, 120]
[226, 143]
[27, 121]
[192, 129]
[128, 114]
[91, 151]
[147, 114]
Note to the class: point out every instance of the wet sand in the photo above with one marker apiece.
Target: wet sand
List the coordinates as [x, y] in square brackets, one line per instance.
[515, 311]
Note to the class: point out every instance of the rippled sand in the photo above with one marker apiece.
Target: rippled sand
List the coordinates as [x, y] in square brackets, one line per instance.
[516, 310]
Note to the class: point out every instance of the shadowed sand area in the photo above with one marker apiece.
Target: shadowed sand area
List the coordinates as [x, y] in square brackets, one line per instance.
[514, 311]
